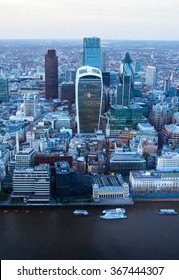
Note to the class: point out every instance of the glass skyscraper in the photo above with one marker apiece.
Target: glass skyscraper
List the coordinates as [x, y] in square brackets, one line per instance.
[92, 54]
[4, 90]
[89, 88]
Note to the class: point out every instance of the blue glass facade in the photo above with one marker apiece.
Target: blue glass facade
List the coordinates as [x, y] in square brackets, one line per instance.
[92, 55]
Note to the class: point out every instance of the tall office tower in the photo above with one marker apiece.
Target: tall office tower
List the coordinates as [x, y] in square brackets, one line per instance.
[151, 76]
[166, 85]
[51, 74]
[89, 89]
[124, 91]
[4, 90]
[126, 67]
[68, 92]
[92, 53]
[30, 104]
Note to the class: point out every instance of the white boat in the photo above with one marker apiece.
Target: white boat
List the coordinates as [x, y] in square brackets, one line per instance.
[113, 216]
[167, 212]
[81, 212]
[115, 210]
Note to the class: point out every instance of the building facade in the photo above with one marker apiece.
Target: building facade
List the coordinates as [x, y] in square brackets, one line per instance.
[92, 54]
[4, 90]
[51, 75]
[89, 89]
[154, 181]
[32, 184]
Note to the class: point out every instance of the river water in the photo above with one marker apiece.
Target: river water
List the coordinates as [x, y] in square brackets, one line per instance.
[56, 234]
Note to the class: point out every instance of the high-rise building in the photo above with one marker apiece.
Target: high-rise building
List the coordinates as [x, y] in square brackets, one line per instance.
[51, 74]
[4, 90]
[151, 76]
[126, 66]
[124, 91]
[68, 92]
[89, 89]
[92, 53]
[30, 104]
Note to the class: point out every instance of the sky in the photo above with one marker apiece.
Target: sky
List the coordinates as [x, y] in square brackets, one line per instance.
[76, 19]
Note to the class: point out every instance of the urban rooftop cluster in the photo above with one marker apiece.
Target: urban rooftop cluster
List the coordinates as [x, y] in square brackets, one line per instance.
[88, 122]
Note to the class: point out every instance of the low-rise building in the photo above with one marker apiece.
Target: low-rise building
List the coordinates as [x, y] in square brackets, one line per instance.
[154, 181]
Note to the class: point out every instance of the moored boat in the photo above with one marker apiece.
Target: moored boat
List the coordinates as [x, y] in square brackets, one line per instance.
[115, 210]
[167, 212]
[16, 211]
[5, 211]
[113, 216]
[81, 213]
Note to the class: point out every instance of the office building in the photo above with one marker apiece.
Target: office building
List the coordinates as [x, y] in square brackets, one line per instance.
[68, 92]
[25, 158]
[4, 90]
[168, 162]
[71, 184]
[32, 184]
[30, 104]
[51, 75]
[92, 53]
[124, 162]
[151, 76]
[109, 187]
[124, 91]
[89, 89]
[145, 182]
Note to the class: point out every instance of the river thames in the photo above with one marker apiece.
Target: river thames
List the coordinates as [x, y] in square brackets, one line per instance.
[56, 234]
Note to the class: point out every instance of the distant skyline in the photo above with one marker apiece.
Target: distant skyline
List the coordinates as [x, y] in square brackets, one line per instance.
[76, 19]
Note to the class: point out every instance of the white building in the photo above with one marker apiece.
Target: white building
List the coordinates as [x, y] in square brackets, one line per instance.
[153, 181]
[151, 76]
[168, 162]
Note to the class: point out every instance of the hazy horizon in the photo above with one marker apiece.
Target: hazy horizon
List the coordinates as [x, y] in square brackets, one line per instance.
[71, 20]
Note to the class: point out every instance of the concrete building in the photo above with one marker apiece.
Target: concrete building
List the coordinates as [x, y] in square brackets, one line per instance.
[151, 76]
[25, 158]
[124, 162]
[168, 162]
[109, 187]
[32, 184]
[154, 181]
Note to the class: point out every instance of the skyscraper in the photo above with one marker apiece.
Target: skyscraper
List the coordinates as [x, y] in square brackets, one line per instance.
[92, 53]
[126, 76]
[51, 74]
[4, 90]
[151, 76]
[89, 88]
[124, 91]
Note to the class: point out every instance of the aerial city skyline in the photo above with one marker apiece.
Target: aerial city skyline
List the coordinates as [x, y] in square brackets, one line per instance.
[84, 123]
[68, 19]
[87, 110]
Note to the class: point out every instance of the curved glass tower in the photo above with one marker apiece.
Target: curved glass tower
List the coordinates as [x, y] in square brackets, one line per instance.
[89, 88]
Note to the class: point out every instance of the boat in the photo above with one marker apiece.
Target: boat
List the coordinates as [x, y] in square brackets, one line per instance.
[113, 216]
[16, 211]
[167, 212]
[27, 211]
[81, 213]
[5, 211]
[115, 210]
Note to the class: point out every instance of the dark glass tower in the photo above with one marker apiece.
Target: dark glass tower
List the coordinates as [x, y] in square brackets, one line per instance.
[51, 74]
[89, 88]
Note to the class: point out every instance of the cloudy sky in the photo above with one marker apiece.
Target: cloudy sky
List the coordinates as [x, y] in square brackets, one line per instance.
[75, 19]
